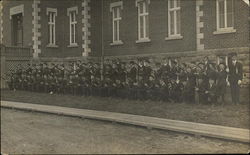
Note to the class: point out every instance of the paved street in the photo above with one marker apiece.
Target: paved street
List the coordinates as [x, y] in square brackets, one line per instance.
[27, 132]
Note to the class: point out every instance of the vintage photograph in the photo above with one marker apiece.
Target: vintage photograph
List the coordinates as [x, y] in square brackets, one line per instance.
[125, 76]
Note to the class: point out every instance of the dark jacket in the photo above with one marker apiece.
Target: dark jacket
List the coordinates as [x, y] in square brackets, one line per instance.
[235, 72]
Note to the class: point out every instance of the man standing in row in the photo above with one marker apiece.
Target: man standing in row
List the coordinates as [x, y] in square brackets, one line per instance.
[235, 78]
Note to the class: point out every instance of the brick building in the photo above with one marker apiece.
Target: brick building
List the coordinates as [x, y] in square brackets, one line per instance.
[80, 28]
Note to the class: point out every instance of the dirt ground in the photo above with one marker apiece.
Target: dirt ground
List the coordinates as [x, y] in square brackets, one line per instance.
[226, 115]
[40, 133]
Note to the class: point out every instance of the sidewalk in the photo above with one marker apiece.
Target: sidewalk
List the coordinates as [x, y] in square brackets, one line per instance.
[216, 131]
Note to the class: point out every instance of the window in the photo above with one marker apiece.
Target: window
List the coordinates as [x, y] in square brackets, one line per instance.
[51, 26]
[224, 14]
[16, 17]
[143, 23]
[174, 18]
[115, 9]
[116, 15]
[72, 12]
[17, 29]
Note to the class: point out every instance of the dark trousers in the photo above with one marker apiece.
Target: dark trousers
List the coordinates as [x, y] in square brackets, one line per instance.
[202, 98]
[235, 91]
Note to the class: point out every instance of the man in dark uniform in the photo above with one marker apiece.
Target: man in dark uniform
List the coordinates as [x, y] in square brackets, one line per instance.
[221, 82]
[132, 71]
[29, 82]
[189, 96]
[29, 69]
[146, 70]
[46, 83]
[235, 78]
[211, 90]
[201, 88]
[139, 69]
[46, 69]
[114, 71]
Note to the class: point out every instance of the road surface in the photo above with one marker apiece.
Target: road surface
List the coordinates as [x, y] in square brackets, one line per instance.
[33, 133]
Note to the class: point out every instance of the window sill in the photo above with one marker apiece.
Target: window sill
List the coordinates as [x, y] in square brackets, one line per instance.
[116, 43]
[143, 40]
[174, 37]
[52, 46]
[224, 31]
[73, 45]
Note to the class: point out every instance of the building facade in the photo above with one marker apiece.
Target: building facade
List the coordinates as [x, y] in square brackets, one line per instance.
[81, 28]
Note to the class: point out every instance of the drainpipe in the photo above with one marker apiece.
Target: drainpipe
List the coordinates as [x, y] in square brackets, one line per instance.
[102, 48]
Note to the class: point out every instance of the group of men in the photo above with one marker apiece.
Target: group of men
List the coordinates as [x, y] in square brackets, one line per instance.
[171, 80]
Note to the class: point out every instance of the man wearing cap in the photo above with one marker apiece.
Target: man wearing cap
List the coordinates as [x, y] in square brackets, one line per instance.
[235, 78]
[221, 82]
[200, 88]
[132, 72]
[210, 92]
[146, 70]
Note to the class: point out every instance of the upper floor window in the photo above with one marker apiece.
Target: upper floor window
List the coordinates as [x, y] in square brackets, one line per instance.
[143, 20]
[224, 14]
[16, 17]
[51, 26]
[115, 9]
[174, 18]
[72, 12]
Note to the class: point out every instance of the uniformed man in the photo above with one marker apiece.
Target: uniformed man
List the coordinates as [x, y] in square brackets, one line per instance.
[235, 78]
[201, 89]
[221, 82]
[211, 90]
[146, 70]
[189, 95]
[132, 73]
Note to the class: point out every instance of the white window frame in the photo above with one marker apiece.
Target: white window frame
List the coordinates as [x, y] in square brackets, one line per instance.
[16, 10]
[74, 11]
[144, 14]
[117, 20]
[52, 13]
[226, 29]
[174, 9]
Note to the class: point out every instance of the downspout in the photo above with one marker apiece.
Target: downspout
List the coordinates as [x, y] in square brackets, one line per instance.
[102, 47]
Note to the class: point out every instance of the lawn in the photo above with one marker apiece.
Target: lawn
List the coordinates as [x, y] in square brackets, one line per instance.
[227, 115]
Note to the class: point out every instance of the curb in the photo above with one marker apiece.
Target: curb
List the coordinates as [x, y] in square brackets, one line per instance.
[207, 130]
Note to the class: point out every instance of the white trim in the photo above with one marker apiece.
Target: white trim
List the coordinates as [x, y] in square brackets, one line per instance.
[16, 10]
[51, 10]
[144, 40]
[174, 9]
[36, 26]
[116, 18]
[116, 4]
[86, 27]
[224, 31]
[52, 13]
[52, 46]
[199, 25]
[75, 8]
[74, 11]
[144, 15]
[116, 43]
[225, 16]
[176, 37]
[137, 1]
[73, 45]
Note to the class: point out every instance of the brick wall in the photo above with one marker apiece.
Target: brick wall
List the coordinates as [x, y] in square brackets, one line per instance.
[96, 27]
[62, 29]
[158, 20]
[238, 39]
[27, 21]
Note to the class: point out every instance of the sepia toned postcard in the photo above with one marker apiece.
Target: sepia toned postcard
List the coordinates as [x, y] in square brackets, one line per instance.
[125, 76]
